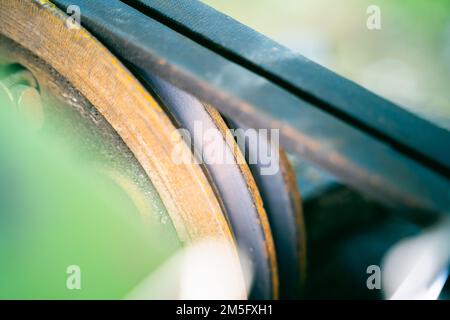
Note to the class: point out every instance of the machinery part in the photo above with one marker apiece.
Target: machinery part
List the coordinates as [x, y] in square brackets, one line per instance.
[145, 129]
[323, 118]
[305, 79]
[393, 170]
[283, 205]
[69, 117]
[92, 85]
[232, 178]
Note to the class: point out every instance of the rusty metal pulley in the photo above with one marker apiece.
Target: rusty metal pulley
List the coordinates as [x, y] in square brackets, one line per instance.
[73, 73]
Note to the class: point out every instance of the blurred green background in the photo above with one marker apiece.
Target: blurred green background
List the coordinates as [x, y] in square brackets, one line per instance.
[407, 61]
[58, 211]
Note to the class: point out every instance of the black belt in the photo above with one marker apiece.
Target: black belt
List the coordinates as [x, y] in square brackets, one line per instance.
[368, 142]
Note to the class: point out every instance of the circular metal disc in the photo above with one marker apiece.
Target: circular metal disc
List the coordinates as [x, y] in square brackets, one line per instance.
[283, 205]
[228, 170]
[129, 109]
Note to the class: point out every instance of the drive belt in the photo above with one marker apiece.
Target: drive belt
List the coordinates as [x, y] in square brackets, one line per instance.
[368, 142]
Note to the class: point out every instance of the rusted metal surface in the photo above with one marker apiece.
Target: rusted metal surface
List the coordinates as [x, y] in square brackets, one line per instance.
[283, 205]
[361, 158]
[75, 123]
[299, 223]
[304, 78]
[146, 130]
[262, 221]
[219, 154]
[368, 142]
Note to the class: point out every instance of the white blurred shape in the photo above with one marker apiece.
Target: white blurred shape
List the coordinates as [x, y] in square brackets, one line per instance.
[416, 268]
[207, 270]
[435, 289]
